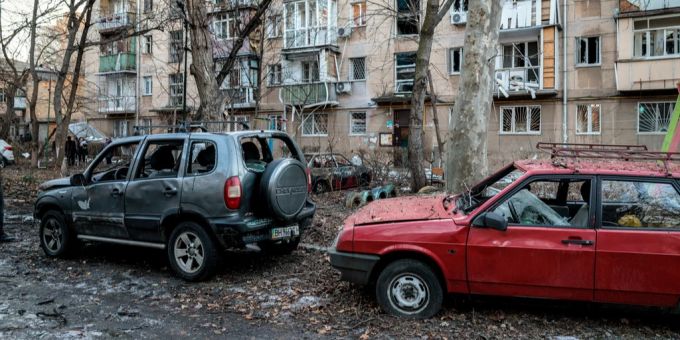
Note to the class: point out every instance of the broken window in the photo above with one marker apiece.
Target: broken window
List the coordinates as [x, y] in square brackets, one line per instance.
[176, 46]
[357, 68]
[634, 204]
[521, 119]
[521, 54]
[656, 37]
[275, 75]
[315, 124]
[359, 13]
[455, 60]
[147, 44]
[654, 117]
[202, 158]
[408, 17]
[115, 164]
[161, 159]
[405, 67]
[588, 51]
[588, 119]
[525, 208]
[176, 89]
[357, 123]
[310, 71]
[274, 26]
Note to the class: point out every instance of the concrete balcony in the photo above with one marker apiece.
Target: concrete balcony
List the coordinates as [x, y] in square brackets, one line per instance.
[647, 74]
[112, 22]
[20, 103]
[242, 97]
[117, 104]
[308, 95]
[310, 37]
[119, 62]
[520, 82]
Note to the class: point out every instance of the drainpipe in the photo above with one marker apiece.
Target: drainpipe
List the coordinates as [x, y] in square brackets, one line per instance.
[138, 43]
[565, 135]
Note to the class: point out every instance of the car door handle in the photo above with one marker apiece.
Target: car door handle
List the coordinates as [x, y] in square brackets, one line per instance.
[579, 242]
[170, 192]
[115, 193]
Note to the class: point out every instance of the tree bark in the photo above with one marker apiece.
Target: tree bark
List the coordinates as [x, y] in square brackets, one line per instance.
[466, 161]
[435, 119]
[34, 92]
[433, 16]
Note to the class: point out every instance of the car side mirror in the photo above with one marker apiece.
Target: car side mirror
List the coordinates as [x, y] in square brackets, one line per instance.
[77, 179]
[491, 220]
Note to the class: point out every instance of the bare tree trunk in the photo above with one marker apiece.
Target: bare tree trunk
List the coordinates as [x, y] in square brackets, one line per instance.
[10, 93]
[466, 161]
[433, 16]
[435, 119]
[34, 92]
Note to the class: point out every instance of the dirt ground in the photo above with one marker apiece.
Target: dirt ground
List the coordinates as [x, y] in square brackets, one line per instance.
[112, 291]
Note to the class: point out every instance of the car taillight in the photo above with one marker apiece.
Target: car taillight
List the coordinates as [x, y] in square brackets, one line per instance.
[232, 193]
[8, 148]
[309, 179]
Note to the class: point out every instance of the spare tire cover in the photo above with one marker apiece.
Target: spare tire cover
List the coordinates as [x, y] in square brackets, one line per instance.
[283, 187]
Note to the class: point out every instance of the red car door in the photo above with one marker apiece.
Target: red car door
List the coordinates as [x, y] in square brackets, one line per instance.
[638, 248]
[543, 253]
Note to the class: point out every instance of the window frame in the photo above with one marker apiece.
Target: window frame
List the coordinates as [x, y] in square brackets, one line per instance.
[223, 23]
[406, 66]
[146, 93]
[173, 86]
[274, 71]
[188, 162]
[352, 69]
[578, 51]
[451, 59]
[175, 48]
[315, 133]
[311, 71]
[275, 26]
[362, 13]
[404, 15]
[147, 47]
[648, 42]
[133, 176]
[528, 131]
[657, 131]
[590, 120]
[352, 120]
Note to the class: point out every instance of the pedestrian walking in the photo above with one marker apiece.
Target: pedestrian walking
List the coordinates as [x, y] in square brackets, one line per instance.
[70, 150]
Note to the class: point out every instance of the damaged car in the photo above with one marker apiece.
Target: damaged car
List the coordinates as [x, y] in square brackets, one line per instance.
[604, 229]
[332, 171]
[191, 194]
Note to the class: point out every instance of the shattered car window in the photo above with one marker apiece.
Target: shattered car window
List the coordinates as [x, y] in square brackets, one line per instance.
[202, 158]
[496, 187]
[116, 162]
[634, 204]
[526, 209]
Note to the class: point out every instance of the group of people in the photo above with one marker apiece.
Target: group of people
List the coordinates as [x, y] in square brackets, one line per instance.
[76, 150]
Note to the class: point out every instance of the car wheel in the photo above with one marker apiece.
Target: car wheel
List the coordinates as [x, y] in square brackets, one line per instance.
[192, 253]
[3, 163]
[409, 288]
[279, 248]
[320, 187]
[56, 239]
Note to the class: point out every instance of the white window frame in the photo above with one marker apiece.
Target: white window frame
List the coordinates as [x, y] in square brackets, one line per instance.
[147, 47]
[352, 121]
[221, 32]
[513, 129]
[236, 120]
[176, 89]
[579, 52]
[397, 82]
[399, 15]
[657, 131]
[176, 47]
[648, 41]
[3, 98]
[589, 124]
[315, 133]
[148, 86]
[460, 60]
[311, 71]
[275, 77]
[363, 19]
[274, 26]
[351, 69]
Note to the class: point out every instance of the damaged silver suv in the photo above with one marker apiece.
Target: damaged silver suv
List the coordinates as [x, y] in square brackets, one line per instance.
[193, 194]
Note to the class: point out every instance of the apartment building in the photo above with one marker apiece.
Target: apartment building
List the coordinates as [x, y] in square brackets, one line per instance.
[338, 74]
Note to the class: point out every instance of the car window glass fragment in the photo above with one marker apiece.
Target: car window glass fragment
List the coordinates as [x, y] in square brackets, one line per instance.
[161, 159]
[114, 165]
[202, 158]
[638, 204]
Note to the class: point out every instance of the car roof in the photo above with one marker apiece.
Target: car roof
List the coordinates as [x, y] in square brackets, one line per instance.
[600, 167]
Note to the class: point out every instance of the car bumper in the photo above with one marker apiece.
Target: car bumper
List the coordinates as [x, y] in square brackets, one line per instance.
[355, 268]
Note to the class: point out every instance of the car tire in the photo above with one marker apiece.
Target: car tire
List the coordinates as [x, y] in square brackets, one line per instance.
[192, 253]
[320, 187]
[283, 188]
[409, 288]
[56, 239]
[3, 162]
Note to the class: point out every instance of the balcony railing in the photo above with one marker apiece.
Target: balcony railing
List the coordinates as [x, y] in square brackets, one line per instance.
[19, 102]
[308, 94]
[309, 37]
[115, 21]
[118, 62]
[240, 97]
[227, 5]
[517, 80]
[116, 104]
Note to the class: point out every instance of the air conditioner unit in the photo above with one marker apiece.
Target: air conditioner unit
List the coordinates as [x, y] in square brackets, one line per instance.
[344, 87]
[459, 18]
[344, 32]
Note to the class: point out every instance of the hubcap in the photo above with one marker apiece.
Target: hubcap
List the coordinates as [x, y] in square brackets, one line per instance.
[189, 252]
[52, 235]
[408, 293]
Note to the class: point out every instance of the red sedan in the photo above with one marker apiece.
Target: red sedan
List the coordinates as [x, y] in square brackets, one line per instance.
[602, 231]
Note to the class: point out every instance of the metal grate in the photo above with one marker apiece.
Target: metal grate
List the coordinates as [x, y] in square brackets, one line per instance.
[358, 123]
[605, 151]
[654, 117]
[315, 124]
[358, 66]
[521, 119]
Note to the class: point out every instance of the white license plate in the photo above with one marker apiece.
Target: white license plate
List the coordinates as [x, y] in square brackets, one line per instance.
[285, 232]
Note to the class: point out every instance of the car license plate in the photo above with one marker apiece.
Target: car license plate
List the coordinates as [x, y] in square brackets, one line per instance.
[285, 232]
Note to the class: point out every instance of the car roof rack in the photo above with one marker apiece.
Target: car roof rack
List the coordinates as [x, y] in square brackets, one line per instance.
[635, 153]
[187, 126]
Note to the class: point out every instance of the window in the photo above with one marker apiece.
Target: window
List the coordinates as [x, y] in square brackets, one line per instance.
[148, 85]
[276, 122]
[359, 13]
[522, 54]
[176, 46]
[147, 44]
[161, 159]
[117, 157]
[307, 23]
[275, 76]
[2, 96]
[588, 51]
[405, 68]
[120, 128]
[588, 119]
[224, 26]
[236, 125]
[202, 158]
[315, 124]
[654, 117]
[274, 26]
[176, 89]
[521, 119]
[455, 60]
[145, 126]
[548, 203]
[633, 204]
[656, 37]
[357, 123]
[408, 16]
[357, 67]
[310, 71]
[148, 6]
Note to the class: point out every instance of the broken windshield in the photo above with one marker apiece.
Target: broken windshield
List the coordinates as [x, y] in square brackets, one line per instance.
[488, 188]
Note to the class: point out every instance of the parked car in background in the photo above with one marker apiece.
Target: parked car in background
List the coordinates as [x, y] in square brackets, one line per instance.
[332, 171]
[595, 223]
[6, 154]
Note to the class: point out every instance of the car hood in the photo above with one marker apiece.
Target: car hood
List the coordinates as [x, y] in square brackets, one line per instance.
[55, 184]
[401, 209]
